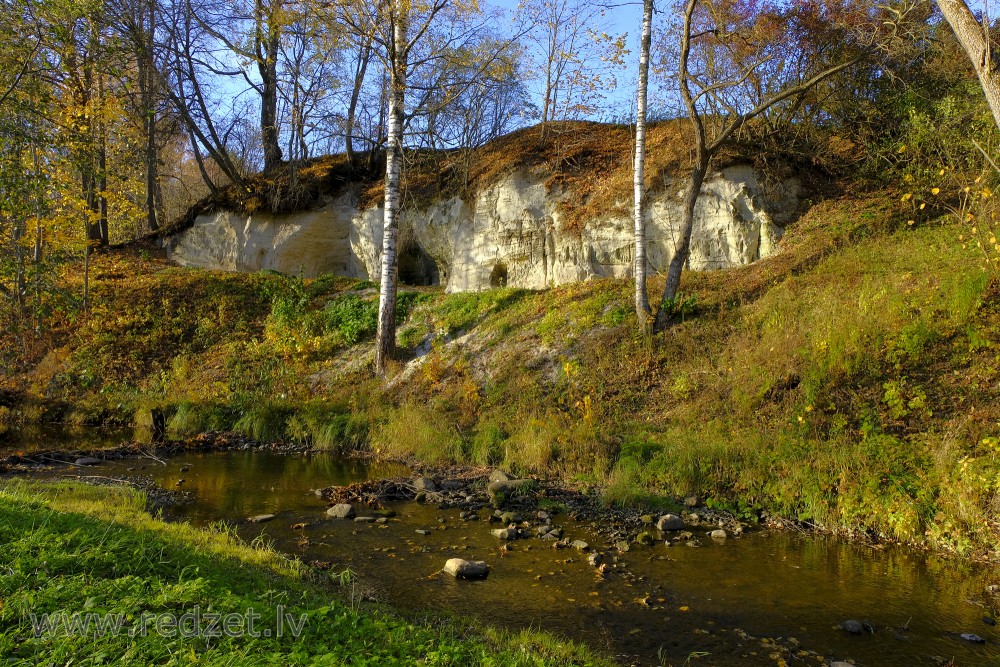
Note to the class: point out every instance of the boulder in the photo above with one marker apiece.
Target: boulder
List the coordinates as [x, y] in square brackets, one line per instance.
[718, 534]
[669, 522]
[341, 511]
[424, 484]
[853, 626]
[579, 545]
[467, 569]
[505, 533]
[499, 476]
[501, 491]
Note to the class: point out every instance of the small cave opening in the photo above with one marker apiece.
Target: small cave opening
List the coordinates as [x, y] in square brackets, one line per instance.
[498, 277]
[417, 268]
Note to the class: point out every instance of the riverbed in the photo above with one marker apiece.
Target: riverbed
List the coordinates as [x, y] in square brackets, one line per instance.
[760, 598]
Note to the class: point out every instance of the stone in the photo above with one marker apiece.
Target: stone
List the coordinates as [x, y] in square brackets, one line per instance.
[692, 502]
[505, 533]
[500, 491]
[341, 511]
[542, 515]
[853, 626]
[841, 663]
[364, 519]
[622, 546]
[975, 639]
[989, 620]
[424, 484]
[510, 517]
[669, 522]
[510, 232]
[644, 539]
[499, 476]
[579, 545]
[467, 569]
[595, 559]
[88, 461]
[452, 485]
[261, 518]
[718, 534]
[422, 531]
[647, 519]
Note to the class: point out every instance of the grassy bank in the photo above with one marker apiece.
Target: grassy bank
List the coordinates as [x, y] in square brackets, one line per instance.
[849, 381]
[76, 548]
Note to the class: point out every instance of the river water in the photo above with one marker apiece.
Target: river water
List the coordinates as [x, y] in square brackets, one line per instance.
[760, 599]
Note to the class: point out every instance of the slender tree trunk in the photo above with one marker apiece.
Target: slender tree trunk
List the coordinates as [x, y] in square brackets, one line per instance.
[268, 35]
[352, 108]
[146, 22]
[102, 166]
[36, 258]
[639, 167]
[973, 39]
[683, 245]
[385, 340]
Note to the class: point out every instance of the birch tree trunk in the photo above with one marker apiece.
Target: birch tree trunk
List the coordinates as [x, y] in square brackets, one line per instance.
[974, 42]
[385, 339]
[639, 167]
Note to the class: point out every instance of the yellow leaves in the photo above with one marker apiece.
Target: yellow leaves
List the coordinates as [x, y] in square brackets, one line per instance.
[902, 149]
[907, 197]
[987, 193]
[935, 191]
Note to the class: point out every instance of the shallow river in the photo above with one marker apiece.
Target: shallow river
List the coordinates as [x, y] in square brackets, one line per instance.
[724, 603]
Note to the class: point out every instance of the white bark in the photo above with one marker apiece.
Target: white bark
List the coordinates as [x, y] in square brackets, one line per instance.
[385, 339]
[639, 167]
[973, 39]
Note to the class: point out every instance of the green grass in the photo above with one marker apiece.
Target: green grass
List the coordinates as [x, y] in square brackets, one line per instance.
[73, 548]
[848, 381]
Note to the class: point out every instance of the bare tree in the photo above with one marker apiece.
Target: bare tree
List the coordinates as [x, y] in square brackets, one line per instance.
[728, 75]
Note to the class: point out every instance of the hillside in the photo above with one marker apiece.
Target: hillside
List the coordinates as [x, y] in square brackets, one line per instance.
[847, 382]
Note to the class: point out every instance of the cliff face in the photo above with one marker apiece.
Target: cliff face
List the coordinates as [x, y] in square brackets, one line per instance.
[511, 233]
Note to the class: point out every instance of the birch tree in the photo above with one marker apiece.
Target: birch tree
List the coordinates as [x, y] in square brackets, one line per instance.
[639, 165]
[975, 40]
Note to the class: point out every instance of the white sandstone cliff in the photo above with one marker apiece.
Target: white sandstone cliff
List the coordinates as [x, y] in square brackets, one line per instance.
[511, 233]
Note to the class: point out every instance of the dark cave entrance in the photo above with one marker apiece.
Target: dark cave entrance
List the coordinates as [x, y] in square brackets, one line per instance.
[417, 268]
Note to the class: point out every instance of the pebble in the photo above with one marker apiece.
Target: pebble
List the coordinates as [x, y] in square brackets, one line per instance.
[421, 531]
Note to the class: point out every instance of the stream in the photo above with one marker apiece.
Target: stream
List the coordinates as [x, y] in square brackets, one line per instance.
[758, 599]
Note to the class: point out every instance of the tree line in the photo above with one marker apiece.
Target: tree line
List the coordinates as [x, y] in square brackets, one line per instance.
[117, 115]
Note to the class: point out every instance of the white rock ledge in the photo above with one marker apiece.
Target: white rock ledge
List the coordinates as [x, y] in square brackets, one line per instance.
[511, 233]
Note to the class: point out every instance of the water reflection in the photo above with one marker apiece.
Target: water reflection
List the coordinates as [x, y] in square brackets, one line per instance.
[674, 601]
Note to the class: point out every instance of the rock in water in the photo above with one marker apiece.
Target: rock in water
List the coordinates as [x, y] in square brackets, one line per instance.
[88, 461]
[669, 522]
[501, 491]
[579, 545]
[975, 639]
[341, 511]
[467, 569]
[261, 518]
[989, 620]
[718, 534]
[854, 627]
[506, 533]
